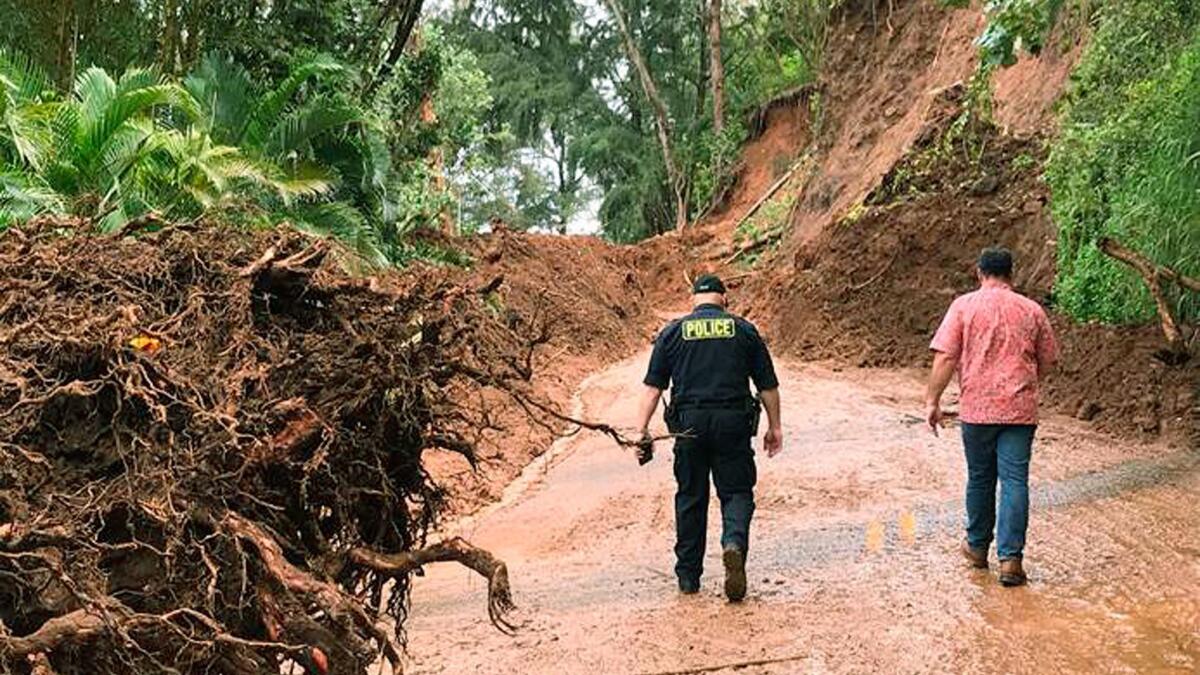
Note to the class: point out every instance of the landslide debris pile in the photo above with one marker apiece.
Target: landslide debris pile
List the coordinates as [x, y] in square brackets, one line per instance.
[210, 449]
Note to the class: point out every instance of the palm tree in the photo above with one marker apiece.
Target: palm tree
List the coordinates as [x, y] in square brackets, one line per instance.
[24, 109]
[116, 149]
[305, 140]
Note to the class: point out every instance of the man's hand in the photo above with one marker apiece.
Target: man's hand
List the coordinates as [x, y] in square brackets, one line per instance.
[933, 416]
[773, 441]
[944, 366]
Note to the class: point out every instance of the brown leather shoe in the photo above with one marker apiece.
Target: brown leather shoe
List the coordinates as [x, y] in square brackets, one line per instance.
[1011, 573]
[977, 558]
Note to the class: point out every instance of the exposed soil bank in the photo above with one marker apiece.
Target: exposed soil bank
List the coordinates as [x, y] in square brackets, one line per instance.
[894, 213]
[588, 297]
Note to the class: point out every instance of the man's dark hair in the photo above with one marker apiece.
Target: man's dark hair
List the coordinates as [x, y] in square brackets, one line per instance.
[996, 262]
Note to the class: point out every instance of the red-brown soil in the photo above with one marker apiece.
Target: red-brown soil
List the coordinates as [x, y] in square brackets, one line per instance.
[872, 263]
[855, 569]
[783, 138]
[853, 564]
[591, 296]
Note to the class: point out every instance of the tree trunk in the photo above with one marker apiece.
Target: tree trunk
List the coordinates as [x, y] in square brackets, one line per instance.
[405, 23]
[436, 159]
[1154, 275]
[663, 126]
[64, 62]
[702, 79]
[716, 66]
[169, 44]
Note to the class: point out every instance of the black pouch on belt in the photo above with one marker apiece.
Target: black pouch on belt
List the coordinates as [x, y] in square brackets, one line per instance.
[671, 416]
[753, 413]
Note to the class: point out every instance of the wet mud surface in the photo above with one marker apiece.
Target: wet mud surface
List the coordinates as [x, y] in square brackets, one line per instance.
[853, 566]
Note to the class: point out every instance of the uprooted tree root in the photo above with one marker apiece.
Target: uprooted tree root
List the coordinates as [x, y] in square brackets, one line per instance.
[210, 449]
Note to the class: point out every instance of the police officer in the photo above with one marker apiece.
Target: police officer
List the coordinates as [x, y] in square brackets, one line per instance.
[709, 358]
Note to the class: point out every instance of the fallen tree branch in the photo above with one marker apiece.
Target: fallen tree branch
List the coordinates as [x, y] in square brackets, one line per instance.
[456, 550]
[606, 429]
[1154, 274]
[775, 187]
[1115, 249]
[754, 246]
[732, 666]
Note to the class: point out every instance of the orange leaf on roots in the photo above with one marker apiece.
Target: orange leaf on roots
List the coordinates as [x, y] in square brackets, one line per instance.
[145, 343]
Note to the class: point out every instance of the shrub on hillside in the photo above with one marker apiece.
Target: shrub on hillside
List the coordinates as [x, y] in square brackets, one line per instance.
[1125, 164]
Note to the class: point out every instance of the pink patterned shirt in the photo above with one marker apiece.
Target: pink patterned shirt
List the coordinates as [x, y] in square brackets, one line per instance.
[1002, 341]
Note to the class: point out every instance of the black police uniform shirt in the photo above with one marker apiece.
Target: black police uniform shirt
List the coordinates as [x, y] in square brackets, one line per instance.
[709, 357]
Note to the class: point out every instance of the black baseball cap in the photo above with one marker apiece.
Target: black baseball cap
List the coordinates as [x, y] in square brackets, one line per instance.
[708, 283]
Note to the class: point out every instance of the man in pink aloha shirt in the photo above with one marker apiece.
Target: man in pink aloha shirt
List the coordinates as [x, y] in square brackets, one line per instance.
[1001, 344]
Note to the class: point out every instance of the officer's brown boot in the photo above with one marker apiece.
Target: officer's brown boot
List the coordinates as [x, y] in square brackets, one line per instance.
[976, 557]
[1011, 572]
[735, 573]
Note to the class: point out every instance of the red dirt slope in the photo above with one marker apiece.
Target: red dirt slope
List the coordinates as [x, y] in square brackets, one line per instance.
[588, 296]
[889, 225]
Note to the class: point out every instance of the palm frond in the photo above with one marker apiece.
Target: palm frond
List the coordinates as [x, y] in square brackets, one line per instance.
[344, 222]
[127, 147]
[26, 128]
[94, 91]
[295, 131]
[302, 181]
[377, 157]
[134, 79]
[277, 100]
[128, 108]
[23, 197]
[25, 81]
[225, 94]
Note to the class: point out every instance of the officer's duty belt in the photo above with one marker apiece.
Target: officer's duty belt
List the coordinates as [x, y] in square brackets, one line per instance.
[718, 404]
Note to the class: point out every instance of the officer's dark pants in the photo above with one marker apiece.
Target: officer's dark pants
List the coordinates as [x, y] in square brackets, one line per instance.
[719, 444]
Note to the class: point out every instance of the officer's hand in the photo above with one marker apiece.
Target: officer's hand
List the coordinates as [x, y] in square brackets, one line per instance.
[645, 448]
[773, 441]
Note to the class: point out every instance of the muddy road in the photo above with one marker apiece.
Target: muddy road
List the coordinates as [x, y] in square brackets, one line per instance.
[853, 563]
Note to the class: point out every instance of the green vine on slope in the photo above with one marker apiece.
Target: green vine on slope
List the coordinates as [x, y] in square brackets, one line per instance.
[1012, 26]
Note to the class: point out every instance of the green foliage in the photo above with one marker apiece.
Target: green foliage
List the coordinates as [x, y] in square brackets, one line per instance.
[775, 46]
[264, 127]
[570, 118]
[1126, 162]
[714, 155]
[222, 145]
[1012, 26]
[109, 151]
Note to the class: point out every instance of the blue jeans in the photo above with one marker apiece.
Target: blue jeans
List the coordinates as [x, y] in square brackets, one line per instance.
[998, 451]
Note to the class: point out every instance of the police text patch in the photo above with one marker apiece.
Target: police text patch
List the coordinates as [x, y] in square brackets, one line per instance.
[708, 329]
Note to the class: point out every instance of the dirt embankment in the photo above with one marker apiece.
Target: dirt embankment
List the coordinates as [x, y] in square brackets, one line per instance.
[891, 219]
[587, 297]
